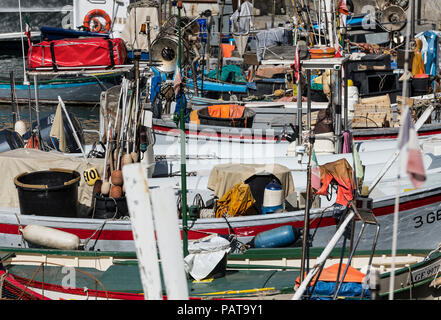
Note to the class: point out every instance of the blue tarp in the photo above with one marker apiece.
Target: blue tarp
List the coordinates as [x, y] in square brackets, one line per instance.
[52, 33]
[351, 290]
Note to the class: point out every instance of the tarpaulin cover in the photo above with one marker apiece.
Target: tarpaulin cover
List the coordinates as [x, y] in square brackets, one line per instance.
[204, 255]
[236, 201]
[135, 18]
[77, 53]
[351, 287]
[226, 111]
[224, 176]
[229, 73]
[21, 160]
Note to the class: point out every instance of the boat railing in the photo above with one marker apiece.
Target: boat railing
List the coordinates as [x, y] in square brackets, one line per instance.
[367, 217]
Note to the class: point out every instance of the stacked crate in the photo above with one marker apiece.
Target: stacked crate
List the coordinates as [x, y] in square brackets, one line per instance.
[374, 112]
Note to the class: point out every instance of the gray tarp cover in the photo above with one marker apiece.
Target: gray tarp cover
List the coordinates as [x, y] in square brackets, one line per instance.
[22, 160]
[224, 176]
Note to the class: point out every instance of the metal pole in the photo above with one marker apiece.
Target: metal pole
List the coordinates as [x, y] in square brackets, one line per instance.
[412, 18]
[37, 110]
[345, 101]
[305, 240]
[220, 60]
[13, 101]
[338, 112]
[308, 90]
[183, 157]
[299, 107]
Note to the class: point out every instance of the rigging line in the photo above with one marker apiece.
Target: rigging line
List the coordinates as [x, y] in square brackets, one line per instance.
[25, 76]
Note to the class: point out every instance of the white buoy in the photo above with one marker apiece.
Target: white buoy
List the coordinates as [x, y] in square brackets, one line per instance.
[20, 127]
[50, 237]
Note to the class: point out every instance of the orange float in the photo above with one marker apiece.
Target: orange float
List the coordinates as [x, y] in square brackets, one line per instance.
[92, 16]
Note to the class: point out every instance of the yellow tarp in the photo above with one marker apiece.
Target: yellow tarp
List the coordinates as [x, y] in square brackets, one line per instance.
[236, 201]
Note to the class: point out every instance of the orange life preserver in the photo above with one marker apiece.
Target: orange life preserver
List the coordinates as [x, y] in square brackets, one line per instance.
[322, 53]
[94, 13]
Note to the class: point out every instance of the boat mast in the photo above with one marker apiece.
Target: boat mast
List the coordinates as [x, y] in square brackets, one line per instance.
[182, 129]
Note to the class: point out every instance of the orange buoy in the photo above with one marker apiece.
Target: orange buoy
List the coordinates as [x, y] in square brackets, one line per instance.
[116, 178]
[115, 192]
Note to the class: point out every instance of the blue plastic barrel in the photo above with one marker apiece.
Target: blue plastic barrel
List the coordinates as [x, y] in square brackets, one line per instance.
[276, 238]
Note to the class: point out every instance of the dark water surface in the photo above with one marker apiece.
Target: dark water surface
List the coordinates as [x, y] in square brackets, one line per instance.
[88, 115]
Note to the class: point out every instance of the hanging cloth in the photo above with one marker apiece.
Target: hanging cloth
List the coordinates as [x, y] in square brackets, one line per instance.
[341, 172]
[418, 62]
[57, 130]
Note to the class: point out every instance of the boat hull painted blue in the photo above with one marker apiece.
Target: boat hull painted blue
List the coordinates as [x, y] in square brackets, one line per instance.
[88, 92]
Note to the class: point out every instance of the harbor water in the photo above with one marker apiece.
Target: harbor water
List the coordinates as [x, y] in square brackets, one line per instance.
[88, 115]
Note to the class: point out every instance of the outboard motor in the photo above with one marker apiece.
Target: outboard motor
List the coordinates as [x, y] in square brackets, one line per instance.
[45, 130]
[10, 140]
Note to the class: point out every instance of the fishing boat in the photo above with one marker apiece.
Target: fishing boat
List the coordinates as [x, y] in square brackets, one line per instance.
[80, 90]
[418, 215]
[255, 274]
[272, 121]
[54, 13]
[98, 277]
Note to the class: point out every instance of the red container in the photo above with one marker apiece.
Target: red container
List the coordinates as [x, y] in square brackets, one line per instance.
[77, 53]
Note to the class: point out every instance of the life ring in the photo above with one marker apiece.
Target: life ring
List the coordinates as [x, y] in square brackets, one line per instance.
[98, 26]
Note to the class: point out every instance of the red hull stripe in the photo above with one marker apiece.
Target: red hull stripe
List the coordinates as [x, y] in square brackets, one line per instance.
[120, 235]
[393, 136]
[77, 291]
[217, 134]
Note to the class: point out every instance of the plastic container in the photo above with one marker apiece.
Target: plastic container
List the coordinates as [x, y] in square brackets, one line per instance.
[108, 208]
[420, 85]
[272, 197]
[276, 238]
[257, 183]
[52, 192]
[246, 121]
[10, 140]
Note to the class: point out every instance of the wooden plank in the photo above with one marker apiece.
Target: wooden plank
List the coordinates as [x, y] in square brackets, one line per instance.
[141, 216]
[169, 243]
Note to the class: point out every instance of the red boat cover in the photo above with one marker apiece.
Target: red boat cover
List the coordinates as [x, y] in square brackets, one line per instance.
[77, 53]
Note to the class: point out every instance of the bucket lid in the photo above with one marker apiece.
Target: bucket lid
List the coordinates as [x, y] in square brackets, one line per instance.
[273, 185]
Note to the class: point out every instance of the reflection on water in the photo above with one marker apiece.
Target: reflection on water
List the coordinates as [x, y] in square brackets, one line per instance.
[88, 116]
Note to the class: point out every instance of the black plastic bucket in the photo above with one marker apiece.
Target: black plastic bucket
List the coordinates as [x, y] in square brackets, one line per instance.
[52, 192]
[420, 86]
[108, 208]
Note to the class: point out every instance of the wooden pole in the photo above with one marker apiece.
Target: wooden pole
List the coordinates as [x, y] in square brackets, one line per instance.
[141, 217]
